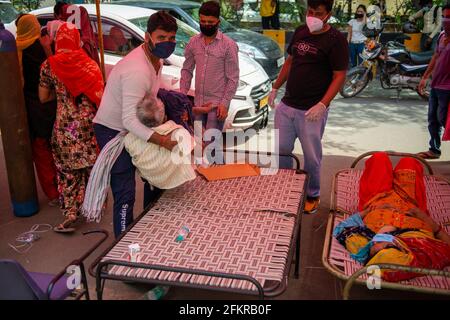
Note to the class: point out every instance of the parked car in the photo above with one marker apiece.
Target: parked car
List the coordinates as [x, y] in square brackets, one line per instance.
[259, 47]
[8, 15]
[249, 106]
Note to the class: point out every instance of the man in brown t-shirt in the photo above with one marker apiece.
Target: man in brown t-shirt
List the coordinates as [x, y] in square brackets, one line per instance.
[315, 71]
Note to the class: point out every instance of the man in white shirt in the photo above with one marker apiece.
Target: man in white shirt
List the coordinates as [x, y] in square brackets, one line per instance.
[432, 23]
[131, 79]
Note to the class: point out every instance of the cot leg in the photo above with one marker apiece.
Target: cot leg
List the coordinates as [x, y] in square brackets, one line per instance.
[297, 255]
[99, 288]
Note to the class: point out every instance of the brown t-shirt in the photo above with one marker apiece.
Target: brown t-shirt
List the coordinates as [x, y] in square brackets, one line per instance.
[314, 58]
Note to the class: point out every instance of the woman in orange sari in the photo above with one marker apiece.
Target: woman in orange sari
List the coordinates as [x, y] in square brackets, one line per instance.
[393, 225]
[76, 82]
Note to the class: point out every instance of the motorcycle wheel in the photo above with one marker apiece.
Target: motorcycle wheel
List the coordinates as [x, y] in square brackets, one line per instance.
[354, 83]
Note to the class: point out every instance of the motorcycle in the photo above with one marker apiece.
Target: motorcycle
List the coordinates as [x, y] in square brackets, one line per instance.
[398, 68]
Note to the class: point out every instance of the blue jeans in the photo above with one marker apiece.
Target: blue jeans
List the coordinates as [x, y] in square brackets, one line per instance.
[210, 121]
[123, 183]
[437, 116]
[355, 49]
[292, 124]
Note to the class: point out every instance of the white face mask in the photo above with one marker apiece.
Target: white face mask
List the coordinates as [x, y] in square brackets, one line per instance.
[314, 24]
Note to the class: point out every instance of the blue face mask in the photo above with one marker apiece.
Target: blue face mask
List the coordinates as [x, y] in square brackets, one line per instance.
[164, 49]
[364, 253]
[383, 237]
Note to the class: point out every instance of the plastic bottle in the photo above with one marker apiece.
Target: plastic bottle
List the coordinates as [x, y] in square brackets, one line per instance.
[182, 234]
[157, 293]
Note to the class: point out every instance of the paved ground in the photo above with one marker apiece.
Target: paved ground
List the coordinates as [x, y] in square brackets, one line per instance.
[354, 126]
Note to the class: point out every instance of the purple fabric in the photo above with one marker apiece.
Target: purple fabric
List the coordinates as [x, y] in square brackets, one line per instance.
[16, 283]
[60, 290]
[441, 76]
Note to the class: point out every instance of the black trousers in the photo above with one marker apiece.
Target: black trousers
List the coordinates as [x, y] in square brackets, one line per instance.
[272, 22]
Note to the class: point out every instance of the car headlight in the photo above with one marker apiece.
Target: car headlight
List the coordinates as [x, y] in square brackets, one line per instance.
[251, 51]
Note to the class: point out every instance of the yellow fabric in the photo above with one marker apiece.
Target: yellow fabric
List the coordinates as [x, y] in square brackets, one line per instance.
[28, 31]
[229, 171]
[355, 242]
[267, 10]
[392, 256]
[418, 234]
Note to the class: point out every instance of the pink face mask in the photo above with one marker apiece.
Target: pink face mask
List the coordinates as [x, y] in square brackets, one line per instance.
[314, 24]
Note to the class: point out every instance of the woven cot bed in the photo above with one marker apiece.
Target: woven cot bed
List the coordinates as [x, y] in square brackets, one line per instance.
[243, 232]
[344, 202]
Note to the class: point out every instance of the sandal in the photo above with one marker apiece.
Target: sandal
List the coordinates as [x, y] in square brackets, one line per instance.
[429, 155]
[67, 225]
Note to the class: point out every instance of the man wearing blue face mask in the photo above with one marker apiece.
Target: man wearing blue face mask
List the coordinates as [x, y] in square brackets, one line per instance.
[315, 71]
[137, 75]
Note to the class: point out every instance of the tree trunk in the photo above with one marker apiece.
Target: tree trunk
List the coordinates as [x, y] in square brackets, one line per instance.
[349, 8]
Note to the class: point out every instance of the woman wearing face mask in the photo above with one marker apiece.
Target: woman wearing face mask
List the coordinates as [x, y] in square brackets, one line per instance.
[135, 76]
[356, 38]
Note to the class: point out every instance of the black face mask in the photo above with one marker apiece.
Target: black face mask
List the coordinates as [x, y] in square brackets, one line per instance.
[359, 15]
[209, 30]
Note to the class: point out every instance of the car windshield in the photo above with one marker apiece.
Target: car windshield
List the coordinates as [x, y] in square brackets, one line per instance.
[7, 12]
[225, 26]
[184, 33]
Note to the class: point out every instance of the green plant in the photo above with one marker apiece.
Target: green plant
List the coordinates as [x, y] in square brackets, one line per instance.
[26, 5]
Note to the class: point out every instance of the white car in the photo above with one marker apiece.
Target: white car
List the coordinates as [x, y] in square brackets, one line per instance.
[124, 29]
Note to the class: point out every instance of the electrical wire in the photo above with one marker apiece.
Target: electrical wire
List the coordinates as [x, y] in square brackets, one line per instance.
[24, 241]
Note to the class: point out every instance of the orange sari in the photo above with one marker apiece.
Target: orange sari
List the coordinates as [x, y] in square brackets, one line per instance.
[401, 189]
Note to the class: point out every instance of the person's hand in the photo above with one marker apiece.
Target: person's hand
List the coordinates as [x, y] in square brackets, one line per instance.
[317, 112]
[168, 143]
[422, 85]
[163, 141]
[222, 112]
[208, 107]
[272, 96]
[46, 43]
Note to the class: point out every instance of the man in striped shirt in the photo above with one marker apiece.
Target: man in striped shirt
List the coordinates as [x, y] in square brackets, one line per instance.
[215, 58]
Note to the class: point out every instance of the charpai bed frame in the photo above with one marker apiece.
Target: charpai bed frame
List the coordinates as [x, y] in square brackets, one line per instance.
[344, 202]
[242, 239]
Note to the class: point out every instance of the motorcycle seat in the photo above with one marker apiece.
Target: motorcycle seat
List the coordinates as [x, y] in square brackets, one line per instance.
[421, 57]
